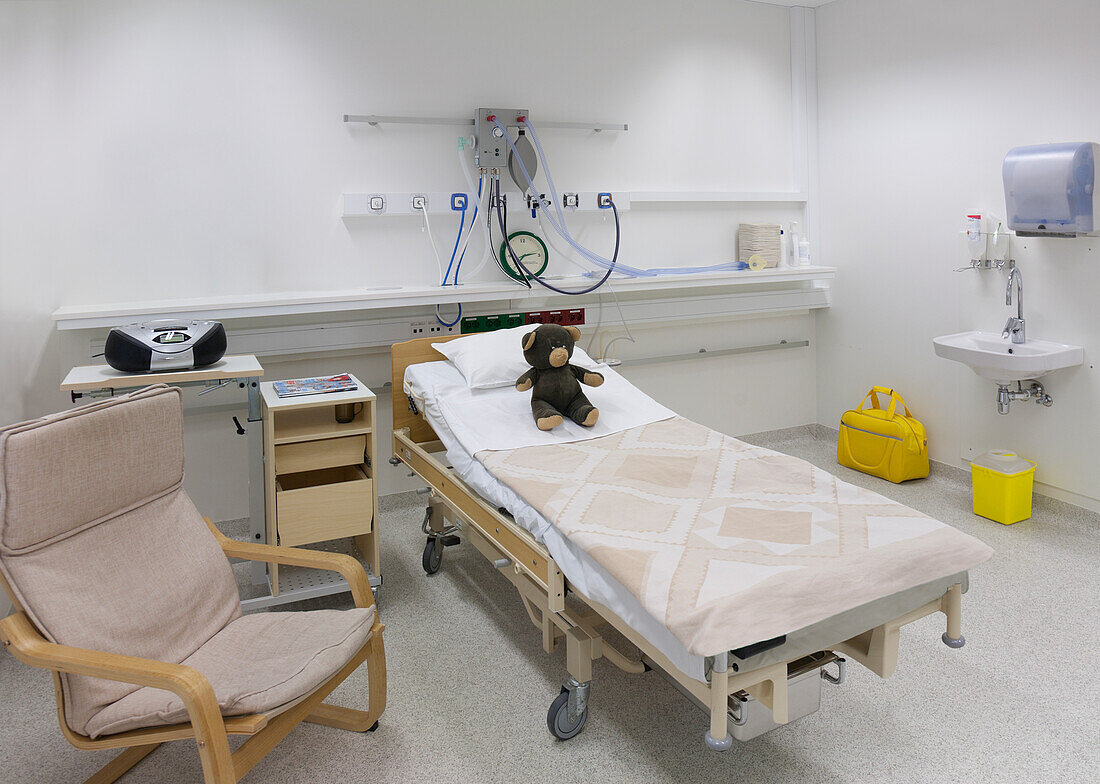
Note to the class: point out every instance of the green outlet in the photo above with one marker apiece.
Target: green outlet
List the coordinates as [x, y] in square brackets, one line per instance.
[470, 325]
[474, 324]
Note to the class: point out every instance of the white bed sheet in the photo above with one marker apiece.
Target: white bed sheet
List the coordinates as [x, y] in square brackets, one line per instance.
[430, 382]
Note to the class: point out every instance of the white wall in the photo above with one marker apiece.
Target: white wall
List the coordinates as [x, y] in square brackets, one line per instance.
[919, 102]
[169, 150]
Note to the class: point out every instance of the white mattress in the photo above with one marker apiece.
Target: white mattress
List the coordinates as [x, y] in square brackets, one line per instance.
[434, 384]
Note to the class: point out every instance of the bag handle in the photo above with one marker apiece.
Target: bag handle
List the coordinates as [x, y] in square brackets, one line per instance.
[895, 398]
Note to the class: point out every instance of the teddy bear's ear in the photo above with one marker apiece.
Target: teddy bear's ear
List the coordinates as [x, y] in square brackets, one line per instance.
[528, 340]
[576, 333]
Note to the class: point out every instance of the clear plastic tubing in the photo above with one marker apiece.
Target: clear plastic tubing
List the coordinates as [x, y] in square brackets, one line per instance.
[561, 229]
[466, 238]
[479, 210]
[460, 249]
[599, 260]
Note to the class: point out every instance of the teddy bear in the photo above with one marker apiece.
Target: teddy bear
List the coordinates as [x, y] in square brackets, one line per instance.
[556, 384]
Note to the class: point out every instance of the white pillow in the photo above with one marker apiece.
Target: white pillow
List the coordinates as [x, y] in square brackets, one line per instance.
[495, 359]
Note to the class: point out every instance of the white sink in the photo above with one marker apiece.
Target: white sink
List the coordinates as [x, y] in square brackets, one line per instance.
[997, 358]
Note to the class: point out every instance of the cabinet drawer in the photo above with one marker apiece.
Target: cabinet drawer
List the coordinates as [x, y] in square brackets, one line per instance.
[326, 453]
[315, 506]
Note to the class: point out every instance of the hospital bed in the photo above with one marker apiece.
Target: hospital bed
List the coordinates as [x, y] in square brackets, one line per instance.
[781, 645]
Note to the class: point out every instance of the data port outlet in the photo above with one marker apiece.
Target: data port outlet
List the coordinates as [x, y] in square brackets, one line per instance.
[418, 329]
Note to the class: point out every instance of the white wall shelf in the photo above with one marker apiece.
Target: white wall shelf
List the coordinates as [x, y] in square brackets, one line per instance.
[245, 306]
[739, 197]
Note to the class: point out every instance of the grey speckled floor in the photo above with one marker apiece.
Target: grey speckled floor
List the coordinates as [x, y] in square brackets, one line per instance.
[469, 684]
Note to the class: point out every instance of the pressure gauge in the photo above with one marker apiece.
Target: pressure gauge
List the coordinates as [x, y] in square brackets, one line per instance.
[529, 249]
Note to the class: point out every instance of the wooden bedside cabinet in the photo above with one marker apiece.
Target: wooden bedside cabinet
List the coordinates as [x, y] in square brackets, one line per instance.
[319, 479]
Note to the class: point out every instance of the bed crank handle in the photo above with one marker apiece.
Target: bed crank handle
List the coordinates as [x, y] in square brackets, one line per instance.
[841, 672]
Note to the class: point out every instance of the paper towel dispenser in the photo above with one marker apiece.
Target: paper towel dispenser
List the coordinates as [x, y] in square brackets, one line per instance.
[1049, 189]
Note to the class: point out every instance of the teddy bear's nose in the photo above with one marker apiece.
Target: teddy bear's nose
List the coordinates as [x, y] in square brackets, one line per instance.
[558, 357]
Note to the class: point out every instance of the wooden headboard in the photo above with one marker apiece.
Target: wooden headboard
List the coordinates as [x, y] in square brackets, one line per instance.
[412, 352]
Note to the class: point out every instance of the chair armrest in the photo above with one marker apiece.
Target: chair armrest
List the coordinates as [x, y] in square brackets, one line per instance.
[349, 568]
[30, 647]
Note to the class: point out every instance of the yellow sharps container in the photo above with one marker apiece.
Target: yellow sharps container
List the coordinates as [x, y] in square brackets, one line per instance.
[1002, 484]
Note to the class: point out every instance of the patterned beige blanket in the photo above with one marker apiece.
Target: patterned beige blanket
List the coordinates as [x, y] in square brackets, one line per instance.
[726, 543]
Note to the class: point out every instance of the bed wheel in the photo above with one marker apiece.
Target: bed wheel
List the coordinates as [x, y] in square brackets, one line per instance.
[557, 718]
[433, 555]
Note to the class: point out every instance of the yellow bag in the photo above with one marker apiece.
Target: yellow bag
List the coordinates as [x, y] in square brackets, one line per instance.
[883, 443]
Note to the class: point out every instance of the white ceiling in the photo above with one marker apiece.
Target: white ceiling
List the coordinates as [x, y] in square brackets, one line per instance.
[805, 3]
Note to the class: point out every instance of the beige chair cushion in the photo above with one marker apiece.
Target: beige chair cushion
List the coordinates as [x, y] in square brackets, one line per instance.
[102, 547]
[256, 664]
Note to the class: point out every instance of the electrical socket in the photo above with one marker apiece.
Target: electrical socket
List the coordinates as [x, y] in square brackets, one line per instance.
[474, 324]
[430, 329]
[573, 317]
[419, 201]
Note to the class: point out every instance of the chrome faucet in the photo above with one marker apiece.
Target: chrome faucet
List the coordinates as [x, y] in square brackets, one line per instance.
[1015, 324]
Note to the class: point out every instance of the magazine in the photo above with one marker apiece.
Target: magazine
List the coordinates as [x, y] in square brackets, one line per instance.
[295, 387]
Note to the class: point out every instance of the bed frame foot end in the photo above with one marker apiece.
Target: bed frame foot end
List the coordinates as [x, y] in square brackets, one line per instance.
[719, 745]
[953, 642]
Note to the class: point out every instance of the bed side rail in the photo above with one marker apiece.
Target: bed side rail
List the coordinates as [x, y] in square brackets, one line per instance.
[513, 542]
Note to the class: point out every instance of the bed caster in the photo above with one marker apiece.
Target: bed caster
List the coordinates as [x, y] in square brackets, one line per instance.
[953, 642]
[433, 555]
[569, 710]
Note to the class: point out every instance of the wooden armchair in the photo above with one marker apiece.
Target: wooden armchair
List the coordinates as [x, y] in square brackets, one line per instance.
[123, 592]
